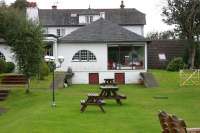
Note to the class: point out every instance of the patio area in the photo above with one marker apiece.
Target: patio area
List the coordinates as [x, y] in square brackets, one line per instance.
[33, 112]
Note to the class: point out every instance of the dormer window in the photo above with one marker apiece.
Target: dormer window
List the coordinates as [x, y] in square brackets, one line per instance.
[60, 32]
[89, 19]
[102, 15]
[73, 15]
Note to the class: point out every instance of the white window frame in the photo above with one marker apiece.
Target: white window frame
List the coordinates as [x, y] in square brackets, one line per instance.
[84, 56]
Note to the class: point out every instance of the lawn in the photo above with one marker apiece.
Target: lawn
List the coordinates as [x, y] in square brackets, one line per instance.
[32, 113]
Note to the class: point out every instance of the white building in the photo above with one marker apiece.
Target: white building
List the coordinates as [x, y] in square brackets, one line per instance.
[96, 43]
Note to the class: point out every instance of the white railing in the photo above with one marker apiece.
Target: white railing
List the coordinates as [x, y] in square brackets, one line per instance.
[190, 77]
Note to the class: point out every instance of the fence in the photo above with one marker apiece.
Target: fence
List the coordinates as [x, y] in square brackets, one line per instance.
[190, 77]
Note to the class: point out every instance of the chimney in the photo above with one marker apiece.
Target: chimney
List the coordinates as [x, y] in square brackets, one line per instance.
[31, 4]
[54, 7]
[122, 4]
[32, 12]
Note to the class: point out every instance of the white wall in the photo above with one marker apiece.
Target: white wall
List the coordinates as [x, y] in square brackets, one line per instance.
[131, 76]
[82, 69]
[53, 30]
[68, 51]
[138, 29]
[5, 49]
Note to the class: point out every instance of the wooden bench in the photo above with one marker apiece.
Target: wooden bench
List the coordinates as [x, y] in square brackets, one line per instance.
[14, 80]
[93, 99]
[173, 124]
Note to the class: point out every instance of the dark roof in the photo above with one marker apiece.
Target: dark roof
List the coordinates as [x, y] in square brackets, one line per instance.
[62, 17]
[102, 31]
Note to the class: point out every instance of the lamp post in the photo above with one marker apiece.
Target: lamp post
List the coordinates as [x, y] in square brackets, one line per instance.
[52, 59]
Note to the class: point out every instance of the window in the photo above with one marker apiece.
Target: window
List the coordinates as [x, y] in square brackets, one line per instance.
[89, 19]
[102, 14]
[84, 56]
[2, 57]
[58, 32]
[125, 57]
[48, 49]
[73, 15]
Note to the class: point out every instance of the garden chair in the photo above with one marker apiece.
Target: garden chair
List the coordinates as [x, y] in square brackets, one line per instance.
[179, 126]
[164, 121]
[173, 124]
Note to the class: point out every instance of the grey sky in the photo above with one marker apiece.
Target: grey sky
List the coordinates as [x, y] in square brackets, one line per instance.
[152, 8]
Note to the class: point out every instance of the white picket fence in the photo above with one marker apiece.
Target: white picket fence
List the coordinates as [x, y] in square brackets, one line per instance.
[190, 77]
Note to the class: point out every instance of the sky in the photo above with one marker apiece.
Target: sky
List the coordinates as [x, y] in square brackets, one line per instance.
[152, 9]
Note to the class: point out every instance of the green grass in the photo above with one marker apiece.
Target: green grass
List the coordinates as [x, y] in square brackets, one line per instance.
[32, 113]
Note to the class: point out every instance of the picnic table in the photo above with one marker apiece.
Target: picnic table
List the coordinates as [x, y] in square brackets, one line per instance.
[110, 92]
[92, 99]
[109, 81]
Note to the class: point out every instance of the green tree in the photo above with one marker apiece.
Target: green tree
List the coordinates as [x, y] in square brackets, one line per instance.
[185, 15]
[25, 39]
[20, 5]
[165, 35]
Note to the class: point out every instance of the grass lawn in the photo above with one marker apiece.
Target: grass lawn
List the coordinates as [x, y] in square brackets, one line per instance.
[32, 113]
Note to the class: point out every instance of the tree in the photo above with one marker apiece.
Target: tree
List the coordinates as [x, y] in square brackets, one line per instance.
[165, 35]
[20, 5]
[185, 15]
[25, 39]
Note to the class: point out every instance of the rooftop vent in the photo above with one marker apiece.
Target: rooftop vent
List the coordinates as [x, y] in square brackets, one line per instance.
[122, 4]
[31, 4]
[54, 7]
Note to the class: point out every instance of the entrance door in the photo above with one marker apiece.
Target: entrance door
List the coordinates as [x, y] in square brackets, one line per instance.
[120, 78]
[93, 78]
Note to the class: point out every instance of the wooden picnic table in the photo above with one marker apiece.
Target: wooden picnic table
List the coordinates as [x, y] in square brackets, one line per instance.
[109, 81]
[93, 99]
[110, 92]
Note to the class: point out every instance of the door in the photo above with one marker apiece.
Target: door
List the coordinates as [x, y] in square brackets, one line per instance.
[120, 78]
[93, 78]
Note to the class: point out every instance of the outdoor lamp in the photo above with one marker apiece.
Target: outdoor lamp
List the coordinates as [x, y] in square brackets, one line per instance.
[47, 58]
[61, 59]
[52, 59]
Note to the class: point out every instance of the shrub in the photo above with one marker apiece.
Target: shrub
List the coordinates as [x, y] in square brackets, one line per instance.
[2, 66]
[175, 64]
[43, 70]
[10, 66]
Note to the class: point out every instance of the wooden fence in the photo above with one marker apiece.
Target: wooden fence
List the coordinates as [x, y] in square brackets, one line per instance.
[190, 77]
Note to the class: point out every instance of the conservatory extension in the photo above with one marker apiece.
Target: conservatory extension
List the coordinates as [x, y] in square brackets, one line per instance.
[128, 57]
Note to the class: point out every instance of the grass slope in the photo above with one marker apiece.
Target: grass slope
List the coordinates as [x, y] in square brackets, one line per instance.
[32, 113]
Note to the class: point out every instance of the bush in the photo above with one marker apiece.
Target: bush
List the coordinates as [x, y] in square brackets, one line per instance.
[175, 64]
[2, 66]
[43, 70]
[10, 66]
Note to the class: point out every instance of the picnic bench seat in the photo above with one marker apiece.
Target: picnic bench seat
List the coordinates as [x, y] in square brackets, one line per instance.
[173, 124]
[111, 92]
[93, 99]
